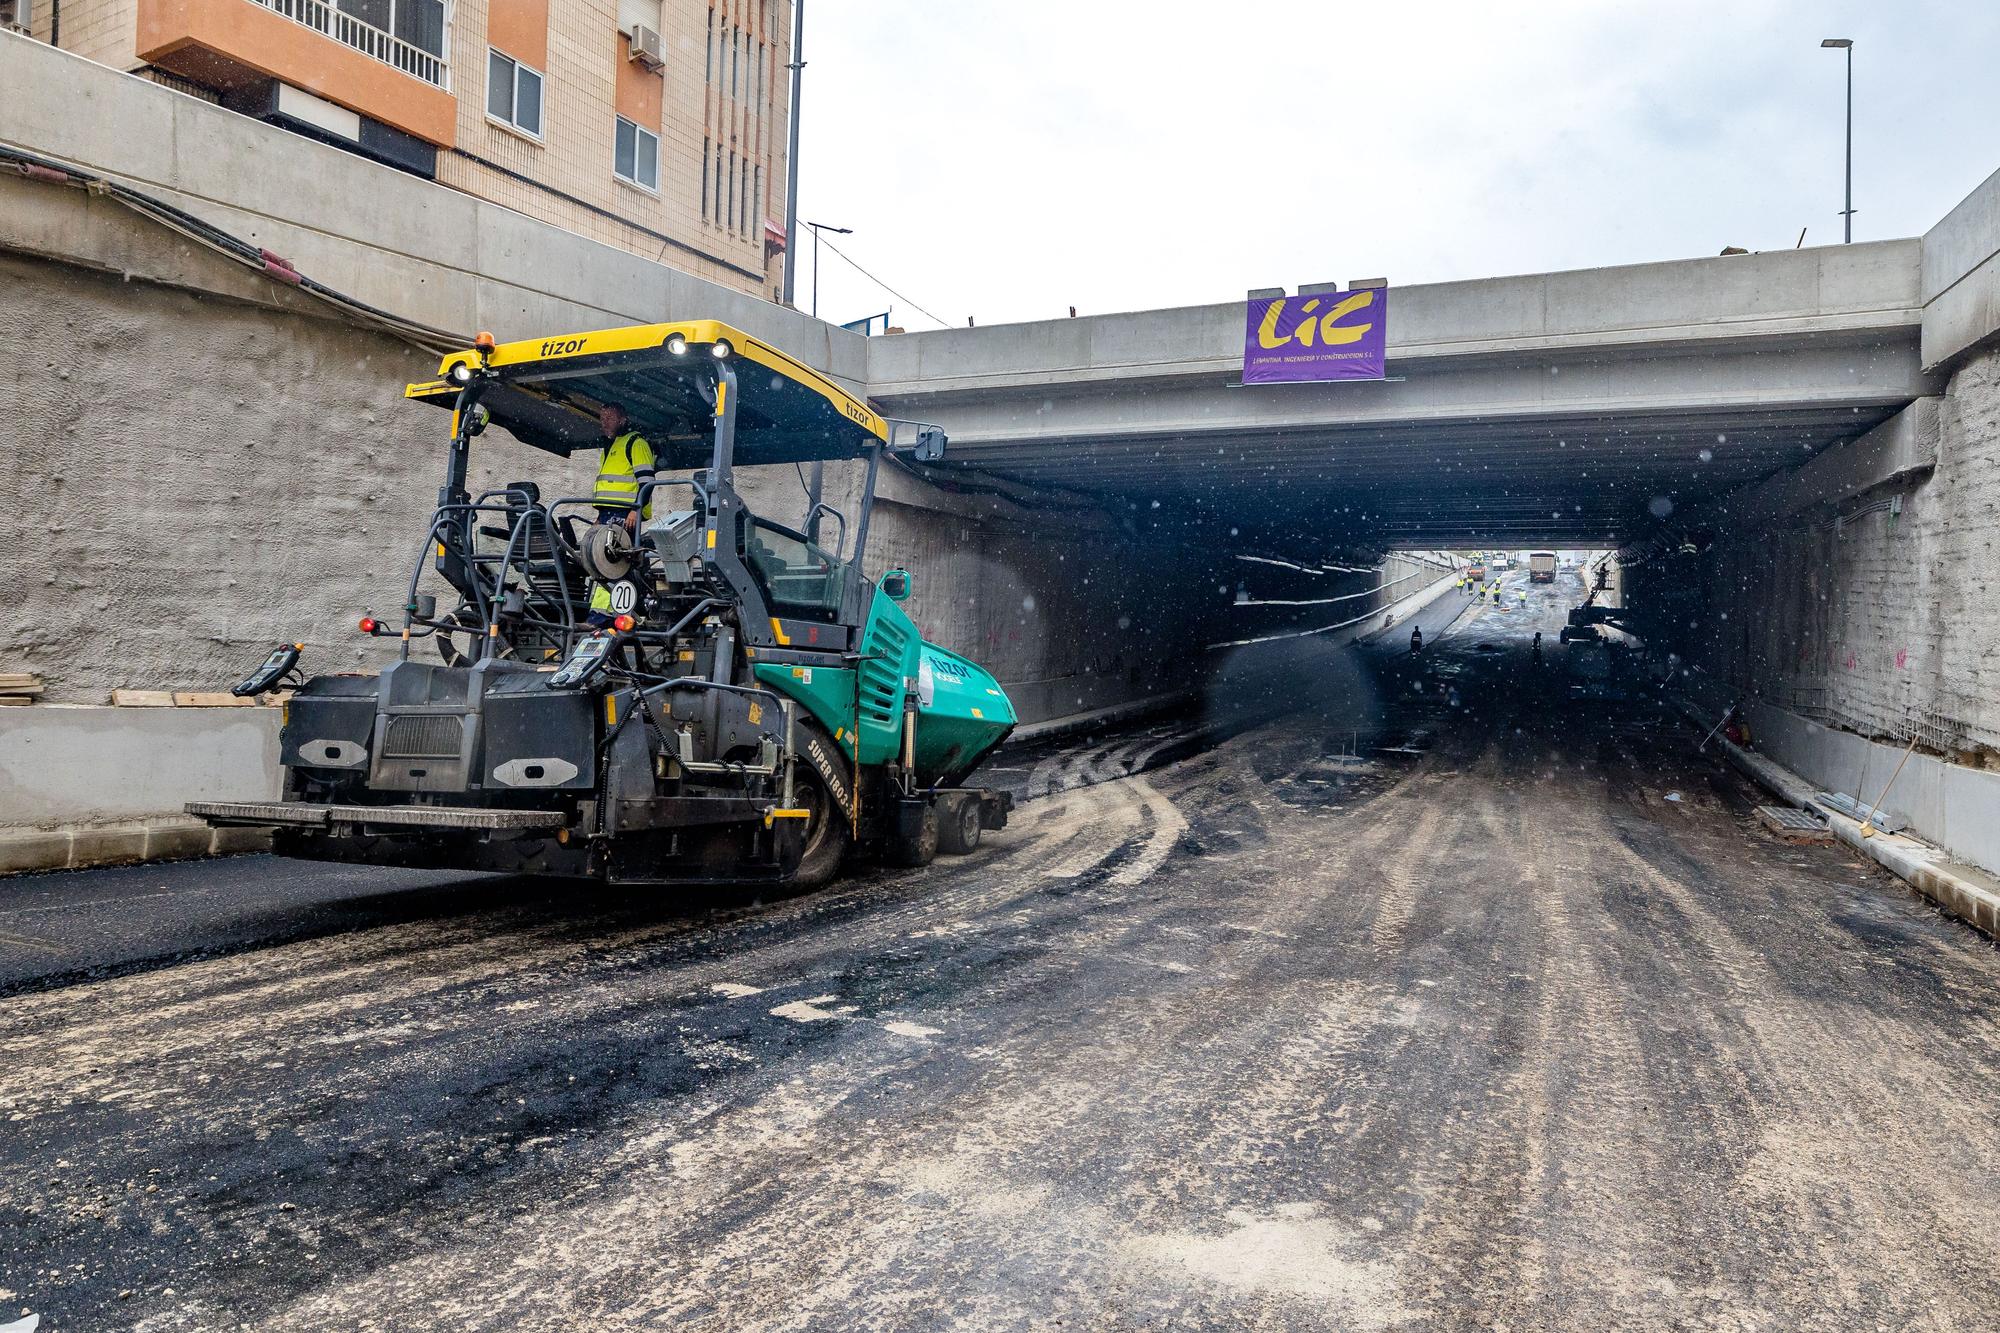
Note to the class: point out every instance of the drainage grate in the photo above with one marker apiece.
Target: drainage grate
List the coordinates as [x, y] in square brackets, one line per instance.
[1793, 825]
[423, 736]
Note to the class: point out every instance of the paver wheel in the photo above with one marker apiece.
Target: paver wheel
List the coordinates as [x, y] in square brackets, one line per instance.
[959, 825]
[823, 785]
[921, 849]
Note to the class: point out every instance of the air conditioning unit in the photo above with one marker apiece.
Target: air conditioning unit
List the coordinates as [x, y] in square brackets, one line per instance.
[646, 46]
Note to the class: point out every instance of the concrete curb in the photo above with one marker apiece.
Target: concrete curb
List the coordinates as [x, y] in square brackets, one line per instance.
[1961, 891]
[1951, 887]
[1400, 611]
[161, 838]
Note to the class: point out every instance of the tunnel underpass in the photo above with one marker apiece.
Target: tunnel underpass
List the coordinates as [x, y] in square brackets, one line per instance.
[1315, 982]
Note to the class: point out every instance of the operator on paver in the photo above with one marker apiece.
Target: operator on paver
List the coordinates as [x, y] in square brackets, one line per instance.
[628, 461]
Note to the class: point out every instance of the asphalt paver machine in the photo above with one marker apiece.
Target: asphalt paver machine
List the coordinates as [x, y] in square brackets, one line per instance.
[755, 709]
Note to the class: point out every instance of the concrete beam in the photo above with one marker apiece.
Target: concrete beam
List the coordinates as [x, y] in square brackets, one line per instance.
[1548, 446]
[1900, 449]
[1466, 400]
[1961, 276]
[1870, 289]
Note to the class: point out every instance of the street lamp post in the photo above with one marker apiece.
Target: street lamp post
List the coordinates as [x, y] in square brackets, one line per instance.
[1847, 214]
[797, 67]
[817, 228]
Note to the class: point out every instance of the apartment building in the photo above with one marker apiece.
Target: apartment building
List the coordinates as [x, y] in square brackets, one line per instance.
[658, 126]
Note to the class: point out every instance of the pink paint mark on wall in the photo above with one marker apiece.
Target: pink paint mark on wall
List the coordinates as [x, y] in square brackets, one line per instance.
[1902, 658]
[1848, 662]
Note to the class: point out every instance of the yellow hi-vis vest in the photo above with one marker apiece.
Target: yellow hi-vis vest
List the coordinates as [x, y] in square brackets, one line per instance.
[627, 461]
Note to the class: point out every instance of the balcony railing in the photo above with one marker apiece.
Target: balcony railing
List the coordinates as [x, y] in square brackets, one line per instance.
[425, 17]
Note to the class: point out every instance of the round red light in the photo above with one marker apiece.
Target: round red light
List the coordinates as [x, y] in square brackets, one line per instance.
[623, 624]
[367, 624]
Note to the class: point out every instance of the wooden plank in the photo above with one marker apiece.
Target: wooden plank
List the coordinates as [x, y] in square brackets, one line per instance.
[21, 689]
[211, 699]
[14, 701]
[10, 681]
[143, 698]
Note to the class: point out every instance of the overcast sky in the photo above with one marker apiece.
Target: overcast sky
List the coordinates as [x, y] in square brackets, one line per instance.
[1010, 158]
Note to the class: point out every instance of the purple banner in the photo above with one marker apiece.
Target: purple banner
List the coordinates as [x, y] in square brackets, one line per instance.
[1332, 336]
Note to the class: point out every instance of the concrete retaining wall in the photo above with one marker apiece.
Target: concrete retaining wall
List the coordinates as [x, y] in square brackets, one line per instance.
[198, 479]
[1864, 589]
[101, 765]
[85, 786]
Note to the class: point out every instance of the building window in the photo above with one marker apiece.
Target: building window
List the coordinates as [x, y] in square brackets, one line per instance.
[421, 23]
[704, 177]
[637, 156]
[418, 22]
[513, 93]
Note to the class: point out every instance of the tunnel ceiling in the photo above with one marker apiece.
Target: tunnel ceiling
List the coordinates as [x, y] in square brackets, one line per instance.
[1570, 480]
